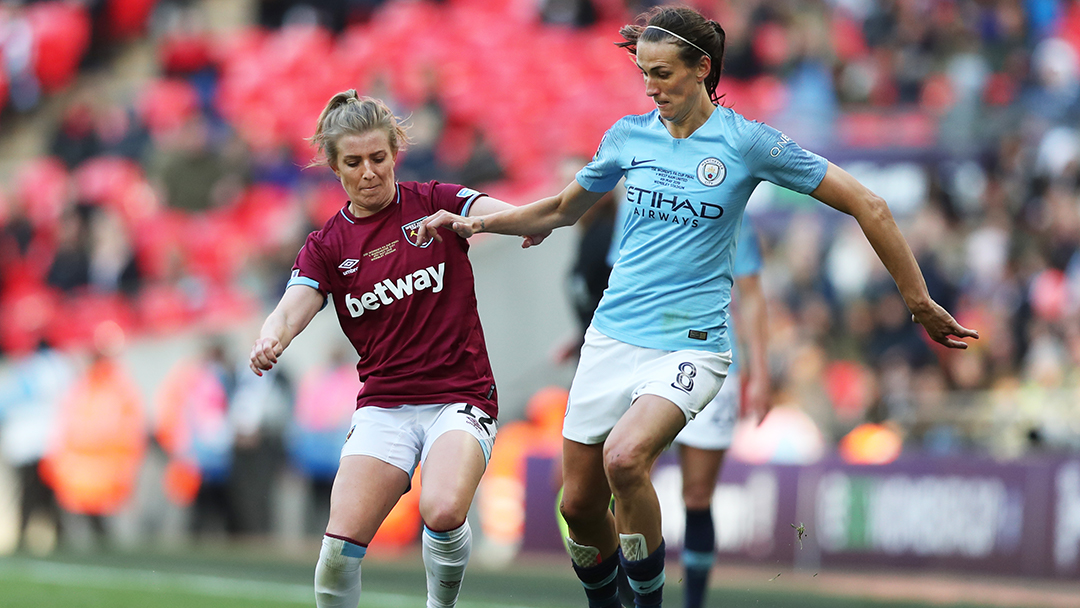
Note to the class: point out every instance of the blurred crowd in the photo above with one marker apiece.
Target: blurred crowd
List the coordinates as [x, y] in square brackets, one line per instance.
[182, 207]
[990, 205]
[216, 440]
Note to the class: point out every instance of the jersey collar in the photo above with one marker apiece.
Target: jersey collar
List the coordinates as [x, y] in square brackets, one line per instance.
[352, 219]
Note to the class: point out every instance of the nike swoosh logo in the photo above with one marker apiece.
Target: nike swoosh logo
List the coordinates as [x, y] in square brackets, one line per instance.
[635, 162]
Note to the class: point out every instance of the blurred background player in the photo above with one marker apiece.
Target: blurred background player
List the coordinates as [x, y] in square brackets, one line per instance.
[324, 406]
[704, 440]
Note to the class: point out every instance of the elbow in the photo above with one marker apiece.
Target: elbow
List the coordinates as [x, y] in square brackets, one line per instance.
[874, 209]
[559, 216]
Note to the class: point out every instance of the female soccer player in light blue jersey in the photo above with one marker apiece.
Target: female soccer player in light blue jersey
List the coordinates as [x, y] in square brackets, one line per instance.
[658, 347]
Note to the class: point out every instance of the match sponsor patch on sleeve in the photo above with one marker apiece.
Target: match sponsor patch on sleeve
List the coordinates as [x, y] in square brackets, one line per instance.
[467, 193]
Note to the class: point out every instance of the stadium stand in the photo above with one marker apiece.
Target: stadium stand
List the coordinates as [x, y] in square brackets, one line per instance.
[963, 114]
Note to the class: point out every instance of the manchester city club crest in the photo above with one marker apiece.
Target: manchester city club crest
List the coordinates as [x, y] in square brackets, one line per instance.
[711, 171]
[411, 230]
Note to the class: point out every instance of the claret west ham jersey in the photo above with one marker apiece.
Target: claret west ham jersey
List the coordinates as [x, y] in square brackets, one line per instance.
[409, 310]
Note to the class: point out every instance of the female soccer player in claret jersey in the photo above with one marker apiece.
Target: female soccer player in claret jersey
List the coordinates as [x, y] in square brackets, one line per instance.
[409, 309]
[658, 347]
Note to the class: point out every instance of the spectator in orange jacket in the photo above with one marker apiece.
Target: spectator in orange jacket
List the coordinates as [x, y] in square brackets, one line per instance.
[100, 436]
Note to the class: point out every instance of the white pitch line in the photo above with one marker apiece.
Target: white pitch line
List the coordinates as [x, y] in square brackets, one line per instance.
[102, 577]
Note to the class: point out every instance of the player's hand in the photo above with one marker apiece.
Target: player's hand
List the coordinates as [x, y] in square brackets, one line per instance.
[757, 399]
[533, 240]
[264, 354]
[942, 327]
[465, 227]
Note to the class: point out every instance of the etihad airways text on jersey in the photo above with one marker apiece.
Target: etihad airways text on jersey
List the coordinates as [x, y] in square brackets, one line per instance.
[389, 291]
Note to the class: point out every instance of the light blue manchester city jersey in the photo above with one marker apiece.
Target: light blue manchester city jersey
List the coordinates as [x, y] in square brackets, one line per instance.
[670, 287]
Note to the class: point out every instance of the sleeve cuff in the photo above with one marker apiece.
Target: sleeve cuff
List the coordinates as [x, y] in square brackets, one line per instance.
[469, 203]
[595, 185]
[312, 283]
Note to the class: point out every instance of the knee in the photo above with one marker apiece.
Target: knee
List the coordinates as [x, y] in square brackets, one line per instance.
[578, 510]
[625, 466]
[442, 515]
[697, 497]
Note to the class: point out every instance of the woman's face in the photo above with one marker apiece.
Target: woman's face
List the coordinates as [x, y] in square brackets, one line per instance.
[675, 87]
[365, 166]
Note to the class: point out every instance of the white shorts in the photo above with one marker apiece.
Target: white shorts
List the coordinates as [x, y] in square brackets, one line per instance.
[403, 435]
[714, 427]
[611, 374]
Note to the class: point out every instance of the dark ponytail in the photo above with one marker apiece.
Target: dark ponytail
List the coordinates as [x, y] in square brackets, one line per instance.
[692, 26]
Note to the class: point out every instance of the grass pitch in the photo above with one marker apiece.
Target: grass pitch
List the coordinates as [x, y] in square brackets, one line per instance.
[247, 577]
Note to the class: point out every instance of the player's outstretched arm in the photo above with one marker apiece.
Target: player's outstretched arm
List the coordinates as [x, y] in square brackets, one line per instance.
[297, 307]
[539, 217]
[485, 205]
[842, 191]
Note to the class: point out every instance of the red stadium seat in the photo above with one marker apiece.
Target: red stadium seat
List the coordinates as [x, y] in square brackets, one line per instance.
[298, 61]
[297, 48]
[322, 201]
[355, 55]
[848, 41]
[214, 247]
[61, 37]
[126, 19]
[42, 187]
[264, 215]
[156, 240]
[117, 183]
[770, 95]
[238, 44]
[103, 180]
[224, 307]
[26, 310]
[771, 44]
[163, 309]
[185, 52]
[78, 316]
[137, 201]
[166, 104]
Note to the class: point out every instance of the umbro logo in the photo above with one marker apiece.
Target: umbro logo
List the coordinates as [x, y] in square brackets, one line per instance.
[635, 162]
[349, 266]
